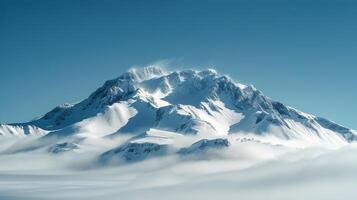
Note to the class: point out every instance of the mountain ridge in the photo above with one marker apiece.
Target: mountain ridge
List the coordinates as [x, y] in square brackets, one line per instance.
[148, 102]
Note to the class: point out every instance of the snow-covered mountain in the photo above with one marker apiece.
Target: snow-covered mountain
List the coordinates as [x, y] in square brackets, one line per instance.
[177, 112]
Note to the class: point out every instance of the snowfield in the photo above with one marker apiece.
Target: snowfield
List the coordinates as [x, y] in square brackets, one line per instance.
[152, 134]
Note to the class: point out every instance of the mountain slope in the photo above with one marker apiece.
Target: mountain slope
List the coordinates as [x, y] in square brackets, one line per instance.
[188, 104]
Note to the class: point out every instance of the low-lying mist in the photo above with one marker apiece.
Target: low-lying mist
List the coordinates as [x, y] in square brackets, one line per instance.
[247, 170]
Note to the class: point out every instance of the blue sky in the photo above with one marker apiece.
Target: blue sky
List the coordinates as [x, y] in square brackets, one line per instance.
[302, 53]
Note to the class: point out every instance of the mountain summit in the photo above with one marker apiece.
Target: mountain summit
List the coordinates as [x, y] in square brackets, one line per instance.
[155, 109]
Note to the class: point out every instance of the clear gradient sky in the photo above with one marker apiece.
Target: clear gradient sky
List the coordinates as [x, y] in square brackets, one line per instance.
[303, 53]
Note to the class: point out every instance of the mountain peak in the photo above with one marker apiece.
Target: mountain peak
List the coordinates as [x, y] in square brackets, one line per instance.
[186, 102]
[146, 73]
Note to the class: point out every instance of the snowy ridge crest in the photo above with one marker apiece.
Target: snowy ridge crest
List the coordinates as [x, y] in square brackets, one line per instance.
[159, 108]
